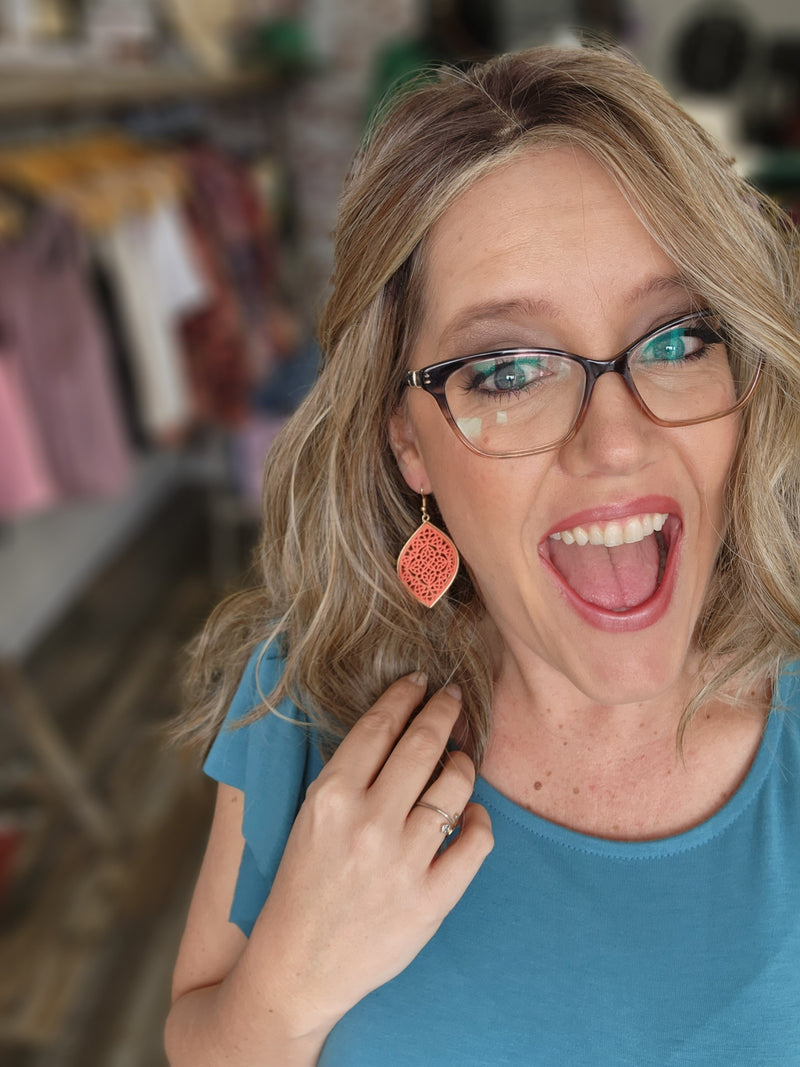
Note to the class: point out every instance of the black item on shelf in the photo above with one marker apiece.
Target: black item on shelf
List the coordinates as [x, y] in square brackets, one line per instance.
[771, 112]
[712, 51]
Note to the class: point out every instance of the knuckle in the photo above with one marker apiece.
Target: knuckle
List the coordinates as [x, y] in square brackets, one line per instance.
[335, 810]
[378, 722]
[424, 743]
[369, 838]
[328, 797]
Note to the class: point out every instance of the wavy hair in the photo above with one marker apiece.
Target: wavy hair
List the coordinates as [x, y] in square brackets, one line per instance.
[336, 510]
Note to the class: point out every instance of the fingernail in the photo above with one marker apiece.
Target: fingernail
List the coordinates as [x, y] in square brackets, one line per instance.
[418, 678]
[454, 690]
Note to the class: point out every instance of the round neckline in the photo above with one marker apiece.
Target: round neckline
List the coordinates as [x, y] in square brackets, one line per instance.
[669, 845]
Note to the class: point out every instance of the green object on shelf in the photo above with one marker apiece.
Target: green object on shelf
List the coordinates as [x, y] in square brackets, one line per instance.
[281, 45]
[777, 170]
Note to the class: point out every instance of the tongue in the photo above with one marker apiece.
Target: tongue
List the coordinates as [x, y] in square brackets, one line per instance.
[612, 578]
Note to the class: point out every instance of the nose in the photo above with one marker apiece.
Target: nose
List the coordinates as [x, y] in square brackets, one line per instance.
[615, 437]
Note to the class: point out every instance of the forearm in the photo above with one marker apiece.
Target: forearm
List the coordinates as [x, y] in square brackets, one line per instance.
[216, 1027]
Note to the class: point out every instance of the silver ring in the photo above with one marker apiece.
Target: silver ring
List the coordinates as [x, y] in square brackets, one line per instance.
[451, 821]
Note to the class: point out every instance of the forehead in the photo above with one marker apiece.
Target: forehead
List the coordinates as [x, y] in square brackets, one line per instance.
[541, 236]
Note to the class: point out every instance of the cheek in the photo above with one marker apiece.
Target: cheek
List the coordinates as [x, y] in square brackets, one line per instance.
[490, 508]
[466, 497]
[711, 459]
[718, 457]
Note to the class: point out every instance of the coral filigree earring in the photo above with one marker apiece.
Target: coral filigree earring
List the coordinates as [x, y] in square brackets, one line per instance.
[428, 562]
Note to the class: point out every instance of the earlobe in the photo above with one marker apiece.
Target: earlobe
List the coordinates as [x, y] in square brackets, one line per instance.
[406, 453]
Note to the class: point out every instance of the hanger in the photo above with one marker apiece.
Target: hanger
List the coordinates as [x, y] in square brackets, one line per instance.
[17, 208]
[98, 177]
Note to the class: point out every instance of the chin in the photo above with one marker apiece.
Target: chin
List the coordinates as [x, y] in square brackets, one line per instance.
[632, 673]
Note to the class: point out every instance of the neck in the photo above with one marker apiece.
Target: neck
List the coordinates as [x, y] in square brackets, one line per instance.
[616, 771]
[534, 698]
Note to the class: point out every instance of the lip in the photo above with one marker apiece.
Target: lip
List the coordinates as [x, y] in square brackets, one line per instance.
[651, 610]
[611, 512]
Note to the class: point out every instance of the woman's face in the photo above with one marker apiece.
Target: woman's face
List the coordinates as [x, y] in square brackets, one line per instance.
[547, 252]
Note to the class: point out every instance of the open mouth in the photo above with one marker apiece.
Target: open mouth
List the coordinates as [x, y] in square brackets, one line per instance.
[617, 566]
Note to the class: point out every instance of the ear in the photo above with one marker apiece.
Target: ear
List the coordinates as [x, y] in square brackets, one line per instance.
[403, 444]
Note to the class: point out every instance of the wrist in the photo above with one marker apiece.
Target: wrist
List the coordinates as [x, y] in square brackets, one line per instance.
[255, 999]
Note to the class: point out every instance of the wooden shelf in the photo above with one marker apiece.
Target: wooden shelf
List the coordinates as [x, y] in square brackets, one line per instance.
[26, 90]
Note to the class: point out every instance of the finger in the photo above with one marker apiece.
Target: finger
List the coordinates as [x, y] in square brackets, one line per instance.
[435, 816]
[453, 870]
[419, 751]
[369, 742]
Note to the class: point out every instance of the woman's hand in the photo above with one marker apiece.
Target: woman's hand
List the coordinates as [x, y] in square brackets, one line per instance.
[362, 885]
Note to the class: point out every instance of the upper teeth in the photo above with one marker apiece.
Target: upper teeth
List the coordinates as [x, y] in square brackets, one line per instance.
[612, 534]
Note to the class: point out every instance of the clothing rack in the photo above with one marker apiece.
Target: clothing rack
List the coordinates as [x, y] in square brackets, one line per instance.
[48, 559]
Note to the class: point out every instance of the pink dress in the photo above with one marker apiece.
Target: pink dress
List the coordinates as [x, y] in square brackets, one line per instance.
[25, 482]
[55, 338]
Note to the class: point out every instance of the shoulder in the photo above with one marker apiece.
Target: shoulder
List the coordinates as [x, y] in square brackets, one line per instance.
[787, 691]
[253, 731]
[271, 754]
[261, 675]
[786, 710]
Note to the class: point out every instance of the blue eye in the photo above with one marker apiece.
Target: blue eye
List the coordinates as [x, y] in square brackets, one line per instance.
[508, 375]
[667, 347]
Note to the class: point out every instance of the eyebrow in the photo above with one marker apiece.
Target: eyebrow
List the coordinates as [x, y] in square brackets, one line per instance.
[525, 307]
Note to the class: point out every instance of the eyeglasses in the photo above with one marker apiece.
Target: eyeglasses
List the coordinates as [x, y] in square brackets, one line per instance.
[520, 401]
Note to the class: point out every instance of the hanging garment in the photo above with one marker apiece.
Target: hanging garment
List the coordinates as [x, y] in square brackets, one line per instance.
[247, 332]
[50, 322]
[151, 261]
[105, 295]
[249, 446]
[214, 340]
[25, 482]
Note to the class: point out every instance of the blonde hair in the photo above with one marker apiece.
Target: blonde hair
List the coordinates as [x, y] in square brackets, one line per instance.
[336, 510]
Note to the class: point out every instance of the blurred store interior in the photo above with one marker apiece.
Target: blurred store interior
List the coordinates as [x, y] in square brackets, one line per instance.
[168, 181]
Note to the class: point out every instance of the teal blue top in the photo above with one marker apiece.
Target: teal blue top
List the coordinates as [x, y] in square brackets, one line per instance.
[569, 950]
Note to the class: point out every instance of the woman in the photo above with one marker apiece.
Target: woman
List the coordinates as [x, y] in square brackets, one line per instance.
[611, 448]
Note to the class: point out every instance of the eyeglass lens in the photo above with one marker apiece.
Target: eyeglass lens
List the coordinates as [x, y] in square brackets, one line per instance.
[523, 400]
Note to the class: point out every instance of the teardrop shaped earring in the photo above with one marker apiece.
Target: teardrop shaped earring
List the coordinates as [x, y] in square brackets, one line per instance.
[428, 561]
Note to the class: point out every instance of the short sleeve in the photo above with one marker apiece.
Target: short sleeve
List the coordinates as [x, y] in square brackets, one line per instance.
[272, 761]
